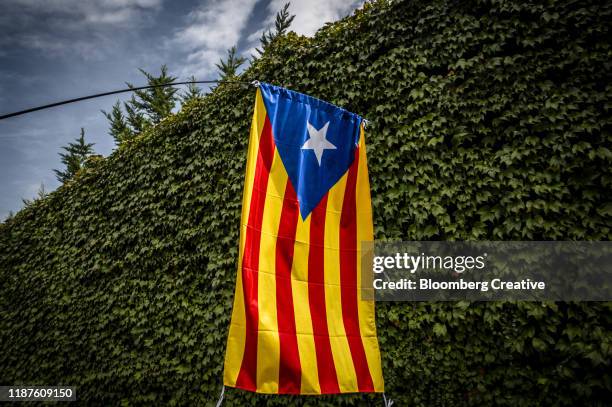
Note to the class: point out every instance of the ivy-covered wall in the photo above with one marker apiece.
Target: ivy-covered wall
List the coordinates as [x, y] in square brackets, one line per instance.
[489, 120]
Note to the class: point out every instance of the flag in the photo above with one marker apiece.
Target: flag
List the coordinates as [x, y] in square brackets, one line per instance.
[298, 324]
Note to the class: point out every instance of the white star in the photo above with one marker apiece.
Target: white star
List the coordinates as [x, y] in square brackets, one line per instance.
[317, 141]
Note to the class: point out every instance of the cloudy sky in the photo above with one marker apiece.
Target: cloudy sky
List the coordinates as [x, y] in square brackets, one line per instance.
[52, 50]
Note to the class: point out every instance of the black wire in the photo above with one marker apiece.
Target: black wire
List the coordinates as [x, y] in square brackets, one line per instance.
[97, 95]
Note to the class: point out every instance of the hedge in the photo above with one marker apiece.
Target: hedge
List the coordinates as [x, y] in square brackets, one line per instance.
[489, 120]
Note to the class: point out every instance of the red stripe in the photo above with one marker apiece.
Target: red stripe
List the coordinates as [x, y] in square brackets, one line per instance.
[328, 380]
[247, 377]
[348, 279]
[290, 370]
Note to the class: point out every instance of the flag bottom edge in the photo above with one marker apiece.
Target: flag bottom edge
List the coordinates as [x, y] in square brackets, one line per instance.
[305, 393]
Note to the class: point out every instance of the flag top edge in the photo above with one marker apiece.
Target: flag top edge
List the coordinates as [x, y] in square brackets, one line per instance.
[317, 103]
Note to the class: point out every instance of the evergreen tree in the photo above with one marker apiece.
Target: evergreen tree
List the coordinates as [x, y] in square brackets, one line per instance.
[228, 68]
[146, 107]
[40, 194]
[192, 92]
[281, 25]
[74, 158]
[120, 130]
[155, 103]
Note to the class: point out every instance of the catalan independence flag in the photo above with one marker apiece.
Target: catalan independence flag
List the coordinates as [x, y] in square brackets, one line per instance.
[298, 323]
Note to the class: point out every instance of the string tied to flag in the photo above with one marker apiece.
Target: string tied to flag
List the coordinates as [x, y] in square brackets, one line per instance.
[388, 401]
[220, 402]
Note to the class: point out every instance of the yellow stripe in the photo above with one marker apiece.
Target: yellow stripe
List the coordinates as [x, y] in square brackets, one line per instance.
[301, 306]
[365, 232]
[341, 352]
[268, 342]
[236, 335]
